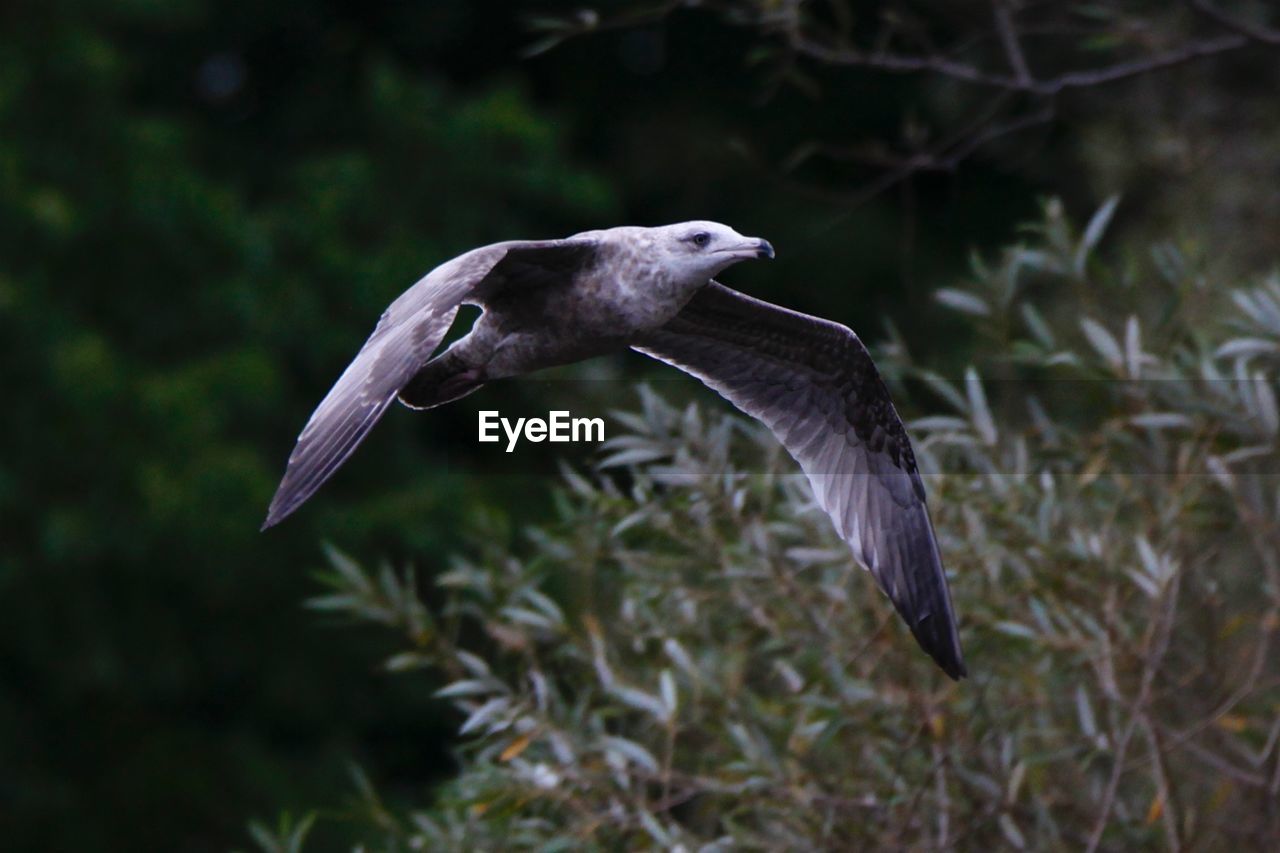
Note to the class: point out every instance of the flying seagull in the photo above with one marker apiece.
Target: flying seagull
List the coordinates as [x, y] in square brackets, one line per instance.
[553, 302]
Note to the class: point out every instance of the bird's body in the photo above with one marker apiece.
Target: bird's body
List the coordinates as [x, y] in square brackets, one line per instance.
[554, 302]
[618, 292]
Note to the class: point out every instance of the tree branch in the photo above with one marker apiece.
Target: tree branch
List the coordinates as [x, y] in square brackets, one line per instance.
[900, 64]
[1009, 38]
[1155, 646]
[946, 156]
[1137, 67]
[1250, 31]
[1164, 791]
[800, 37]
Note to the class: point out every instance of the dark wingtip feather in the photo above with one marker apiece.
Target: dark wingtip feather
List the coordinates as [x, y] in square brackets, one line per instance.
[940, 643]
[927, 608]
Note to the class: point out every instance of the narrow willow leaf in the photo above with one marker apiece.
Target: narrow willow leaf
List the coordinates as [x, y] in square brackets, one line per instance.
[468, 687]
[1258, 308]
[1016, 629]
[1084, 713]
[1065, 357]
[1246, 347]
[979, 413]
[938, 423]
[1244, 454]
[963, 301]
[1015, 782]
[348, 569]
[527, 617]
[1133, 355]
[485, 714]
[944, 389]
[1037, 260]
[1161, 420]
[1268, 411]
[1219, 471]
[814, 556]
[634, 456]
[1103, 342]
[406, 661]
[793, 680]
[473, 663]
[1093, 233]
[544, 604]
[1011, 832]
[667, 684]
[630, 420]
[631, 751]
[1037, 325]
[680, 657]
[642, 701]
[575, 481]
[1144, 583]
[334, 602]
[655, 829]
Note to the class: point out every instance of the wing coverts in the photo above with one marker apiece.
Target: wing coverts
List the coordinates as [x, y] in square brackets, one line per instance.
[406, 336]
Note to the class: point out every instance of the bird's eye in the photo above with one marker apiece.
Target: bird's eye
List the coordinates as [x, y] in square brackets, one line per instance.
[701, 239]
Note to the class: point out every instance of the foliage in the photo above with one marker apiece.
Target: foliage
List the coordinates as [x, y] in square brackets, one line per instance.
[203, 208]
[1000, 68]
[688, 659]
[180, 276]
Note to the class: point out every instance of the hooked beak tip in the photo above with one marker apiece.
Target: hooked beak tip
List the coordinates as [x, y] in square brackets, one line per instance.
[764, 249]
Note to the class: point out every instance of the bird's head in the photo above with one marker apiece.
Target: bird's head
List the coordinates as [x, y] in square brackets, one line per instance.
[701, 250]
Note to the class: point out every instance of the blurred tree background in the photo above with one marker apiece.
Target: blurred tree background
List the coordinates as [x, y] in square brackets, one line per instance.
[205, 206]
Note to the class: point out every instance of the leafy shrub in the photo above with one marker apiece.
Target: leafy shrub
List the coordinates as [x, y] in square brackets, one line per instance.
[690, 660]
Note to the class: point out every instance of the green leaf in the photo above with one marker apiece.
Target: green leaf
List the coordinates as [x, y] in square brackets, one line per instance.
[1093, 233]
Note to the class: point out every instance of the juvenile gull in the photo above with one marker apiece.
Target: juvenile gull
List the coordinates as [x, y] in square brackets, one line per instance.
[553, 302]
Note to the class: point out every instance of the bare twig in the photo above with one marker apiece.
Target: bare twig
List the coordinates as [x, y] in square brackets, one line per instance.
[899, 64]
[1156, 647]
[789, 25]
[945, 157]
[795, 37]
[1250, 31]
[1168, 816]
[943, 804]
[1188, 52]
[1245, 777]
[966, 73]
[1009, 38]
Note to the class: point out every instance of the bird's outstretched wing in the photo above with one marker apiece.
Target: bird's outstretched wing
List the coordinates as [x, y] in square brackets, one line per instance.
[812, 382]
[404, 339]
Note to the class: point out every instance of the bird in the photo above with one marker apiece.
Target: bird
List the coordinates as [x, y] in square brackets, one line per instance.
[545, 303]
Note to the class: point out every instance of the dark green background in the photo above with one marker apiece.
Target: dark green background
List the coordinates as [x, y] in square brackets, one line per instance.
[204, 206]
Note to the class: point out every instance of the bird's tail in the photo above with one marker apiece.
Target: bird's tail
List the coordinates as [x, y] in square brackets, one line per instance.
[442, 380]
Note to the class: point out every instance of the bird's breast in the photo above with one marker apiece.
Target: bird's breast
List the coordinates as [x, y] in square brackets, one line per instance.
[626, 303]
[595, 313]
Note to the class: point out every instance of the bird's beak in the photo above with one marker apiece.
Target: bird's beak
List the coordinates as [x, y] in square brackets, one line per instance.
[750, 248]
